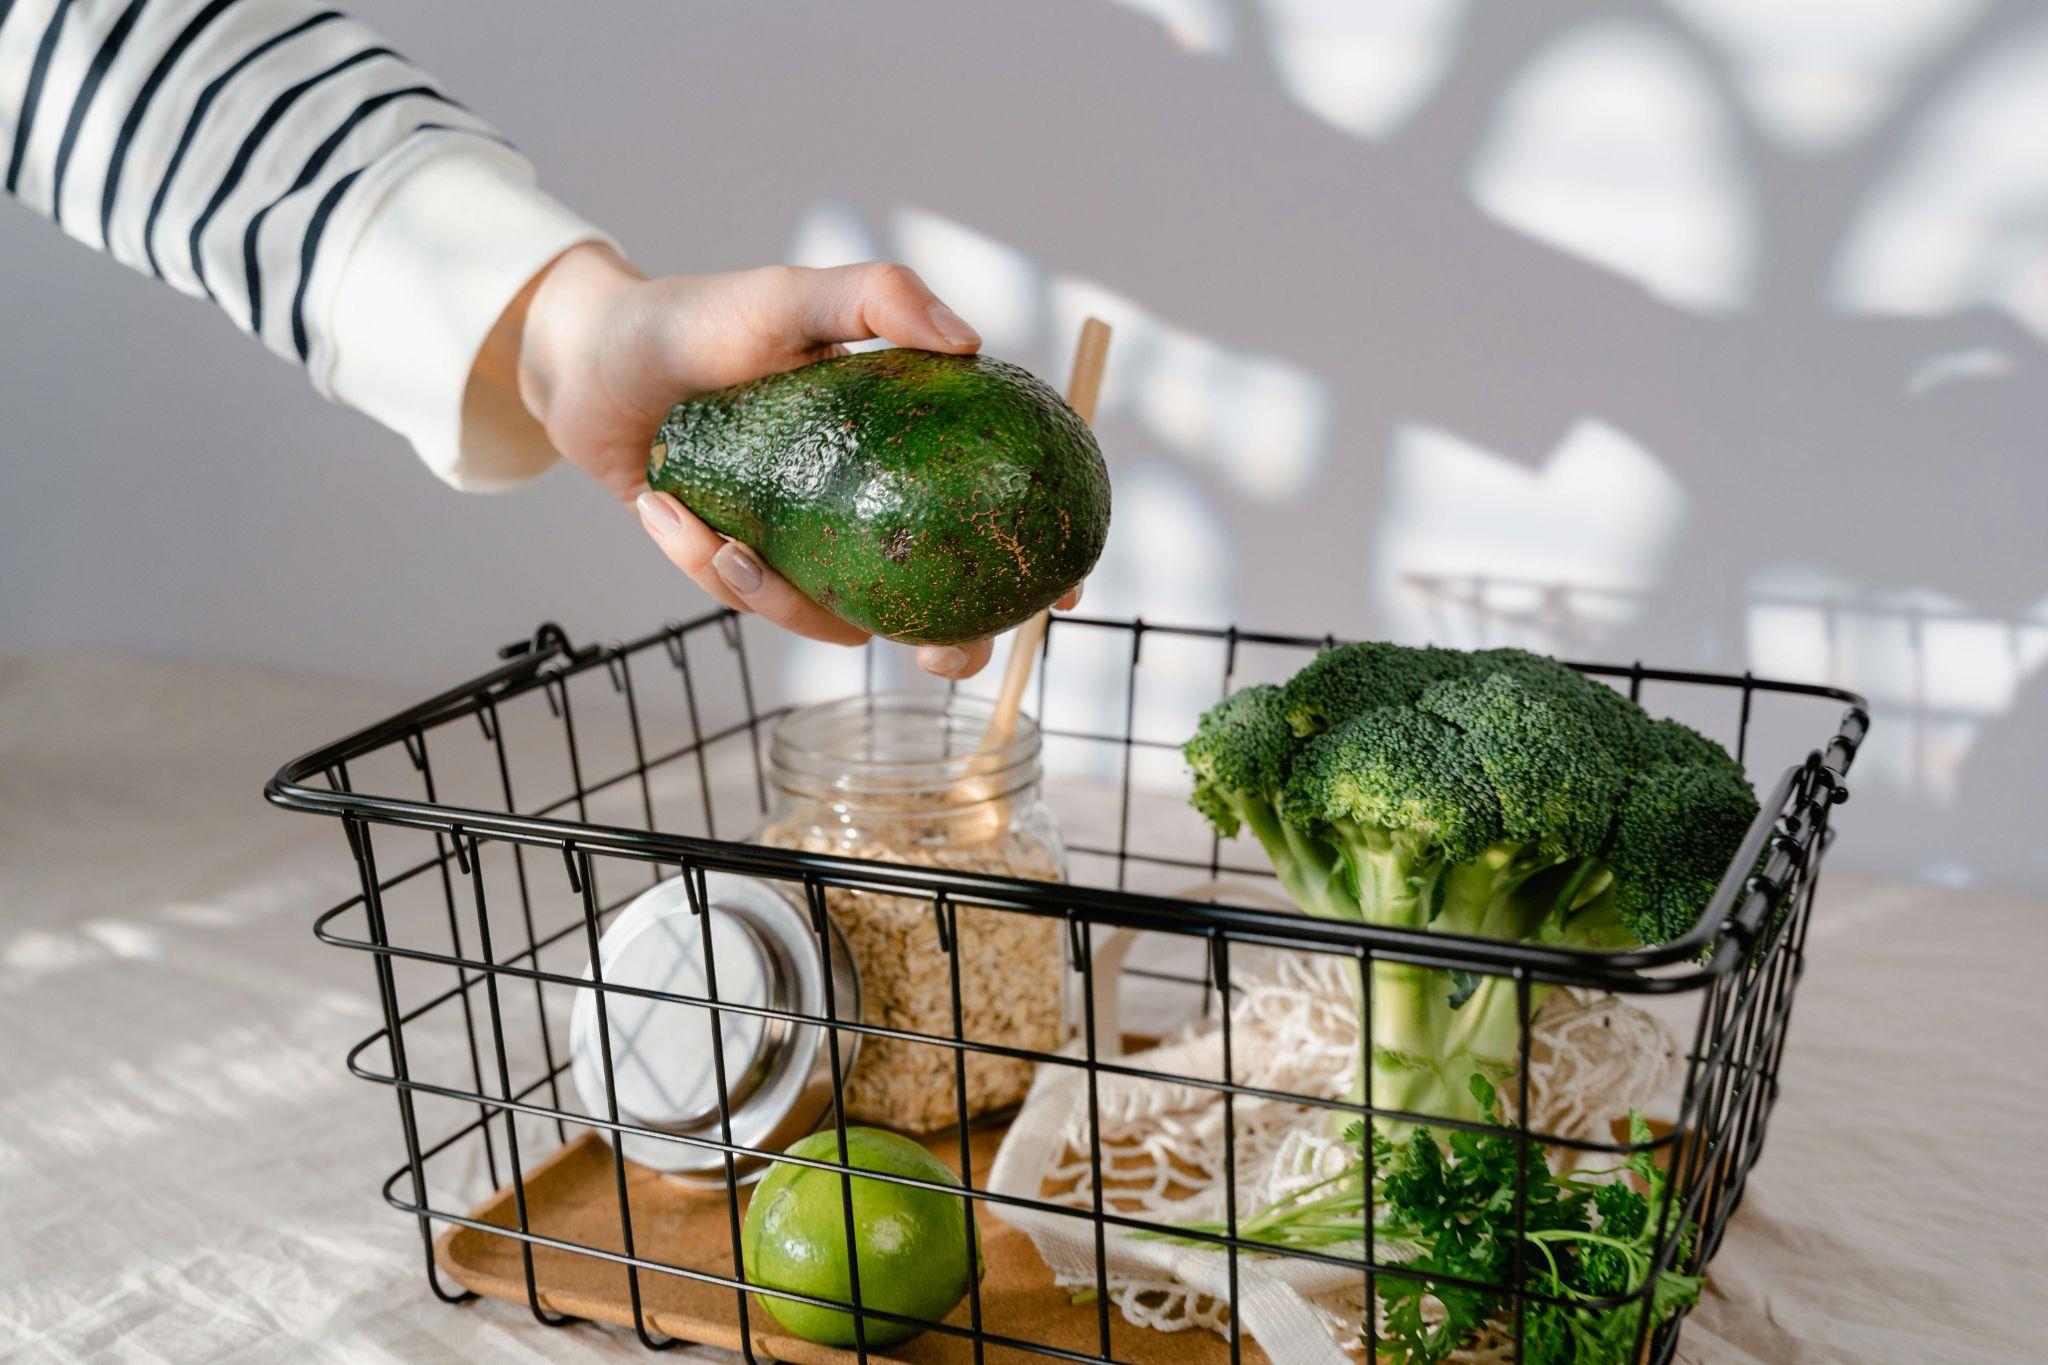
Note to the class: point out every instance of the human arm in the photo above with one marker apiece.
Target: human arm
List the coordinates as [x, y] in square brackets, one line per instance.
[284, 163]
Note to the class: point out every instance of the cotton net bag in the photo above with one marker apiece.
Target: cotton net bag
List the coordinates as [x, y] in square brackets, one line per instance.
[1294, 1028]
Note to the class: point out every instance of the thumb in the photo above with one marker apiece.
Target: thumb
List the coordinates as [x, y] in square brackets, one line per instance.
[877, 299]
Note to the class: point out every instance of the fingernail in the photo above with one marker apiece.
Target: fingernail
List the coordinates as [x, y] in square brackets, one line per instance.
[657, 514]
[950, 326]
[738, 569]
[946, 661]
[1077, 596]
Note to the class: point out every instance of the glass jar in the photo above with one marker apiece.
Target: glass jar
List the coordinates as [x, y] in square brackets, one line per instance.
[900, 777]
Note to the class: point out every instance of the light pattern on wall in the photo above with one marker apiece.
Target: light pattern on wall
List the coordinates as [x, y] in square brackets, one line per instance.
[1362, 68]
[1613, 145]
[1819, 73]
[1256, 421]
[1962, 219]
[1935, 671]
[1202, 26]
[1479, 550]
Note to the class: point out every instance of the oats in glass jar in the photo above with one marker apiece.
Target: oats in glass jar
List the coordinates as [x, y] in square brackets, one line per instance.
[898, 778]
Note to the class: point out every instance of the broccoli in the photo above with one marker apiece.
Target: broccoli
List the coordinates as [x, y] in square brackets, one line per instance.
[1496, 793]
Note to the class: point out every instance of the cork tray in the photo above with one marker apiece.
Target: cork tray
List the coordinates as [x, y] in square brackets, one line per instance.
[573, 1196]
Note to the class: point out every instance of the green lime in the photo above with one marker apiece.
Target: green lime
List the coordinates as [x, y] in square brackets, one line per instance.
[912, 1243]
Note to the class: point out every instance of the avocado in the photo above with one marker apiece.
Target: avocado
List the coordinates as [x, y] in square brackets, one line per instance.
[928, 498]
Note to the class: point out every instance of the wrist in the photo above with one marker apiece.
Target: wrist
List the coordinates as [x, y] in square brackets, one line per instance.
[553, 324]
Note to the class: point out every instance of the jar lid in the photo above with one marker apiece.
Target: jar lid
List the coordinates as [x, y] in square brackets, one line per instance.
[664, 1075]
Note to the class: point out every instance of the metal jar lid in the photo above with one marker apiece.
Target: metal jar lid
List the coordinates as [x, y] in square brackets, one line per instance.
[778, 1072]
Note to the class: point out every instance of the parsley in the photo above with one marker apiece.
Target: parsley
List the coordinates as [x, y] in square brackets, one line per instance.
[1447, 1213]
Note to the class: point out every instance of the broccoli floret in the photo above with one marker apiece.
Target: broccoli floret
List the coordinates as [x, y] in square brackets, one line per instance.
[1339, 683]
[1666, 741]
[1678, 827]
[1553, 760]
[1497, 793]
[1240, 754]
[1398, 795]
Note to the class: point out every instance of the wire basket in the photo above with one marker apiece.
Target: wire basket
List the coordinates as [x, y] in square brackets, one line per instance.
[498, 826]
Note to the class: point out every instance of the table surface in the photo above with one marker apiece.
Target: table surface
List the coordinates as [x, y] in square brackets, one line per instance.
[187, 1173]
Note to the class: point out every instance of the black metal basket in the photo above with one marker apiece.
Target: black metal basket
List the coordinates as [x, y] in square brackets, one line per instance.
[475, 937]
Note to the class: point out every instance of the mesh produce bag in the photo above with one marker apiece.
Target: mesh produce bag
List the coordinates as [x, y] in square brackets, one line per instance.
[1294, 1028]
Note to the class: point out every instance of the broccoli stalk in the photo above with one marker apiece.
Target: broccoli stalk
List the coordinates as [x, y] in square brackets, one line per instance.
[1499, 795]
[1433, 1031]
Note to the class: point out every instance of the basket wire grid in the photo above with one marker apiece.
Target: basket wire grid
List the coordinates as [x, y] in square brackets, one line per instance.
[487, 1052]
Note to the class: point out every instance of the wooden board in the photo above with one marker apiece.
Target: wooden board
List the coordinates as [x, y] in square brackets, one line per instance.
[573, 1196]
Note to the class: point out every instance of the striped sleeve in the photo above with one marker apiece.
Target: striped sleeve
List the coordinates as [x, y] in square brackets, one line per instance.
[281, 161]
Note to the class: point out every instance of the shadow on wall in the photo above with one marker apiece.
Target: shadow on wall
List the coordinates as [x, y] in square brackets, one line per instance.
[1575, 331]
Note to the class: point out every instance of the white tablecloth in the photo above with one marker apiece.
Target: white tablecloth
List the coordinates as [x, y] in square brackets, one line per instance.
[188, 1174]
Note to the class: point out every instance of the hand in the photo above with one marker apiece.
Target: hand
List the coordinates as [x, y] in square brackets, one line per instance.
[599, 353]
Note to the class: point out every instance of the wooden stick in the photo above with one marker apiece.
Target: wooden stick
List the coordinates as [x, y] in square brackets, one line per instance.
[1091, 353]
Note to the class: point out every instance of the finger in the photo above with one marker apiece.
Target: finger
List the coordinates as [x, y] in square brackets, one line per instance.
[878, 299]
[769, 595]
[1071, 600]
[954, 662]
[732, 574]
[688, 543]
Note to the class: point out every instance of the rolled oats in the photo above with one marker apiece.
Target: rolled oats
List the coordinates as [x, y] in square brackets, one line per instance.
[1011, 970]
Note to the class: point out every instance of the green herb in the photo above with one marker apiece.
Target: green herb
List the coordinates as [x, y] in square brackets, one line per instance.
[1448, 1213]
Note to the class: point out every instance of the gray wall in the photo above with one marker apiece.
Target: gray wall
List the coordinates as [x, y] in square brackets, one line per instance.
[1676, 332]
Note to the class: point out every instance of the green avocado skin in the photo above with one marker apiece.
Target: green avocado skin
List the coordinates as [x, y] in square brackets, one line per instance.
[928, 498]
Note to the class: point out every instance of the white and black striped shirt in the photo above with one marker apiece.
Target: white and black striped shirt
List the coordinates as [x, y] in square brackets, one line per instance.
[252, 151]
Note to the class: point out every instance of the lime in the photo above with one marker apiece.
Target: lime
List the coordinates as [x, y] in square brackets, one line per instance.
[912, 1243]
